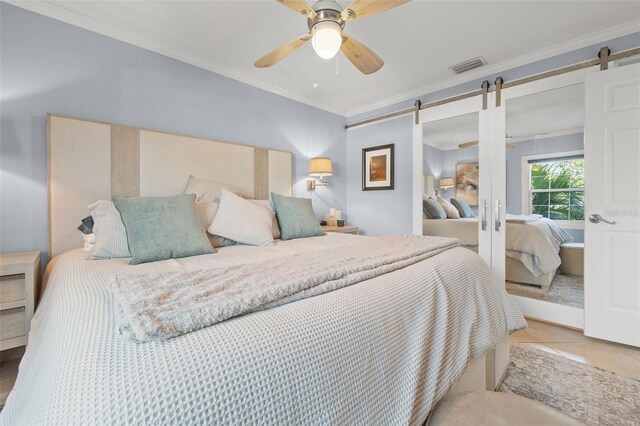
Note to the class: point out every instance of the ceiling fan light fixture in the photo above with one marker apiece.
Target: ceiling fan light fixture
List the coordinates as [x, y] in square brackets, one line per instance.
[326, 38]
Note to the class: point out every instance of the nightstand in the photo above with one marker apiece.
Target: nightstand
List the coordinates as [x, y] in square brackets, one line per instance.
[347, 229]
[19, 279]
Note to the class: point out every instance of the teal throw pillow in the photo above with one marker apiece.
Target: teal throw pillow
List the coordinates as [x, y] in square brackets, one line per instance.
[432, 209]
[463, 208]
[160, 228]
[295, 217]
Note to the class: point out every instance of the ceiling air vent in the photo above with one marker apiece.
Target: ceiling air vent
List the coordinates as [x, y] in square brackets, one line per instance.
[469, 65]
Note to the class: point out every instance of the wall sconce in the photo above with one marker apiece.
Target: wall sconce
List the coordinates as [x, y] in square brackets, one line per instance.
[445, 183]
[319, 167]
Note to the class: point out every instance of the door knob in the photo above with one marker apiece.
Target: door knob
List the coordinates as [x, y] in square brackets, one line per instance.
[596, 218]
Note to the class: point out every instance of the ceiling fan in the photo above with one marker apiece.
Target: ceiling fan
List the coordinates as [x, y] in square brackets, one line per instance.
[326, 20]
[507, 142]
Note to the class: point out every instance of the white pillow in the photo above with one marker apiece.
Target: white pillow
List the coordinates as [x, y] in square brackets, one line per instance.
[243, 221]
[274, 223]
[109, 231]
[449, 209]
[207, 212]
[206, 191]
[89, 241]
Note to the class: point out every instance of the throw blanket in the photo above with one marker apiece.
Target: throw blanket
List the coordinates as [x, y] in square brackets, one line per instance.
[165, 305]
[523, 218]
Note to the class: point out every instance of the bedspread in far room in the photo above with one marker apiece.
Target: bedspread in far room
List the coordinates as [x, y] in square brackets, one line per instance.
[536, 244]
[384, 350]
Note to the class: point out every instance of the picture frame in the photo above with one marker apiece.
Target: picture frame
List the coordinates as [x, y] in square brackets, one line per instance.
[468, 182]
[378, 164]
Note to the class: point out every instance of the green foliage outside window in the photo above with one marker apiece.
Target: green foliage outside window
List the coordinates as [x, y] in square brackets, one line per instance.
[557, 189]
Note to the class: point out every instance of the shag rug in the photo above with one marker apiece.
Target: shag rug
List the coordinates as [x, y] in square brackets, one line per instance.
[565, 290]
[589, 394]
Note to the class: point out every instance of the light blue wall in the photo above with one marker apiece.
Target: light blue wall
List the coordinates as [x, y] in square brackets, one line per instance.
[381, 212]
[394, 130]
[50, 66]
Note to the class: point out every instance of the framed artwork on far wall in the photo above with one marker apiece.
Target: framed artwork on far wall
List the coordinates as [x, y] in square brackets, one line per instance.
[377, 168]
[468, 183]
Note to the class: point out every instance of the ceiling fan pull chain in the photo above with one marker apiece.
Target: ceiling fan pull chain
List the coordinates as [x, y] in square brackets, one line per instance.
[337, 67]
[316, 79]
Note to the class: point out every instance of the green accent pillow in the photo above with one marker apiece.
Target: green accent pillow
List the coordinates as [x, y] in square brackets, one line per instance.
[160, 228]
[295, 217]
[463, 208]
[432, 209]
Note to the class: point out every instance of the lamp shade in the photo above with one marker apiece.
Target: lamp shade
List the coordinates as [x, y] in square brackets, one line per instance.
[446, 183]
[320, 166]
[326, 38]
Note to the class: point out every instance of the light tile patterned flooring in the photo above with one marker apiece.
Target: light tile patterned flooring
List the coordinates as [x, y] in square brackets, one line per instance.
[572, 344]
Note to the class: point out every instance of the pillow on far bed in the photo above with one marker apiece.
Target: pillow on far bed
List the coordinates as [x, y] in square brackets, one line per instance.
[207, 191]
[160, 228]
[295, 217]
[463, 208]
[432, 209]
[110, 240]
[242, 220]
[449, 209]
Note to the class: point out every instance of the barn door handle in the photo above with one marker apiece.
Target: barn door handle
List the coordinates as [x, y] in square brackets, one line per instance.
[596, 218]
[498, 208]
[484, 215]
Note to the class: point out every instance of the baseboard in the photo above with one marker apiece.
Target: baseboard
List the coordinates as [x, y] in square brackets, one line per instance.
[554, 323]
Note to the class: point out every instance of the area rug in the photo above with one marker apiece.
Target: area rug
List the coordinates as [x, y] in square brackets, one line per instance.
[565, 290]
[589, 394]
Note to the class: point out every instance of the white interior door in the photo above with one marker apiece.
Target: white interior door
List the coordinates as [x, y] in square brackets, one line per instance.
[612, 199]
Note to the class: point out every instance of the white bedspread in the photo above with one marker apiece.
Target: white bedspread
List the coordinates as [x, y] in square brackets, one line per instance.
[536, 244]
[382, 351]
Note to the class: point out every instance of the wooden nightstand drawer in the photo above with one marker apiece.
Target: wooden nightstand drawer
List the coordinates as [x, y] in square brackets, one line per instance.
[12, 288]
[347, 229]
[19, 278]
[13, 323]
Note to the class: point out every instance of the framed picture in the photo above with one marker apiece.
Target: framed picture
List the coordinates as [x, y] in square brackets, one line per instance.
[377, 168]
[468, 183]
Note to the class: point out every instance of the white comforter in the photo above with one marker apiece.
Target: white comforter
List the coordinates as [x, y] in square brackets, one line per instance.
[536, 244]
[382, 351]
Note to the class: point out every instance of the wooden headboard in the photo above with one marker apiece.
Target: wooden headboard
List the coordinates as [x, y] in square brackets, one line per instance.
[90, 161]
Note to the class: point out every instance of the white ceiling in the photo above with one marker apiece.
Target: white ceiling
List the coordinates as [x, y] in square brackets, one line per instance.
[541, 115]
[418, 41]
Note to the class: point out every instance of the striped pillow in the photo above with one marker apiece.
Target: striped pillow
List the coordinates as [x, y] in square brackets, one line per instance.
[109, 231]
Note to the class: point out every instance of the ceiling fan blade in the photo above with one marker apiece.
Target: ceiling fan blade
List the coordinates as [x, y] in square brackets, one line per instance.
[281, 52]
[299, 6]
[360, 55]
[468, 144]
[363, 8]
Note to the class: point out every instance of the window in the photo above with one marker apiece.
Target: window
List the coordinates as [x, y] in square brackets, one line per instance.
[556, 187]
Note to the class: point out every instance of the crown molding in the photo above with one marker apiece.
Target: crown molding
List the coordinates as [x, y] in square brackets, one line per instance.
[537, 55]
[51, 10]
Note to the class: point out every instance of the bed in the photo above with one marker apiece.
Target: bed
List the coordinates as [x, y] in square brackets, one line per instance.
[531, 248]
[383, 350]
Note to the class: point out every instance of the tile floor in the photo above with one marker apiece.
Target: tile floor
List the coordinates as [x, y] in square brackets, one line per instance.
[572, 344]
